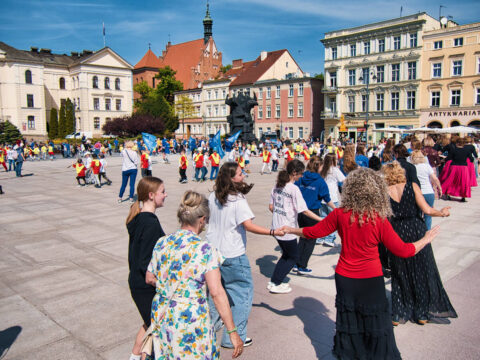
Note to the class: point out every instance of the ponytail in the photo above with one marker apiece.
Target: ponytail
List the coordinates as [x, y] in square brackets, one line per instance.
[293, 167]
[134, 211]
[282, 179]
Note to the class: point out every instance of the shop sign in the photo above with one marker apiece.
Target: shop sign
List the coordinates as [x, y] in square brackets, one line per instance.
[454, 113]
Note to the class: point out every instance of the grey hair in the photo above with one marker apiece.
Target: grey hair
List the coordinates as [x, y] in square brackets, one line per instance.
[192, 207]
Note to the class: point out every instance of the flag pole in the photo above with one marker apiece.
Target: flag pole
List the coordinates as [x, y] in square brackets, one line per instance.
[103, 25]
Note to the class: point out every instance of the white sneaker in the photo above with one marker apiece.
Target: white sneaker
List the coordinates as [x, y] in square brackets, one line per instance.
[283, 288]
[319, 241]
[269, 285]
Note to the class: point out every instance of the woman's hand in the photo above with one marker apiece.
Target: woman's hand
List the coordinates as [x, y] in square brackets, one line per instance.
[278, 232]
[431, 234]
[445, 211]
[286, 229]
[237, 344]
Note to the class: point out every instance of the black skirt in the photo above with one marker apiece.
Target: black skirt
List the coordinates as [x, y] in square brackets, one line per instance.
[143, 299]
[364, 327]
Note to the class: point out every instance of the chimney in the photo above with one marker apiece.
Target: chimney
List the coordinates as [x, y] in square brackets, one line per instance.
[169, 44]
[34, 49]
[237, 63]
[46, 51]
[263, 55]
[74, 54]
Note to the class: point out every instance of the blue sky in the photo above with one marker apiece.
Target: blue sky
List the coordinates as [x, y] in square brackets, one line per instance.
[241, 28]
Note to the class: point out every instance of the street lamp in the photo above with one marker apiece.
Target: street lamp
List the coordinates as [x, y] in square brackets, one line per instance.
[366, 76]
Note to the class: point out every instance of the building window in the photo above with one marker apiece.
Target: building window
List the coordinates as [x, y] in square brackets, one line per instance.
[224, 94]
[300, 132]
[380, 98]
[300, 89]
[412, 70]
[458, 42]
[333, 104]
[78, 103]
[209, 95]
[333, 79]
[277, 92]
[28, 77]
[216, 110]
[117, 84]
[300, 109]
[364, 103]
[380, 74]
[209, 111]
[435, 99]
[260, 94]
[478, 97]
[438, 44]
[62, 83]
[395, 72]
[269, 92]
[396, 43]
[353, 50]
[96, 104]
[395, 100]
[351, 103]
[31, 122]
[269, 112]
[457, 67]
[96, 123]
[107, 83]
[413, 40]
[365, 75]
[290, 110]
[118, 104]
[260, 111]
[290, 90]
[456, 94]
[410, 100]
[216, 93]
[381, 45]
[277, 111]
[30, 103]
[290, 132]
[108, 104]
[224, 110]
[366, 47]
[260, 132]
[352, 77]
[334, 53]
[437, 70]
[95, 82]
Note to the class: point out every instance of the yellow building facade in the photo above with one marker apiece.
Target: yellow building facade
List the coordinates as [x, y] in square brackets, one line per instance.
[450, 86]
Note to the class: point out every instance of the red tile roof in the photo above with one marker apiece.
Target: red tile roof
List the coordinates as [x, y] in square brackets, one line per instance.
[253, 70]
[149, 60]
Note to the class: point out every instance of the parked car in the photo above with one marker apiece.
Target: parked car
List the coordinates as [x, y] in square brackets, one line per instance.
[79, 135]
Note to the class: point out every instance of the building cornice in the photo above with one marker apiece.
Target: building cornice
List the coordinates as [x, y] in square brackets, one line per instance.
[451, 31]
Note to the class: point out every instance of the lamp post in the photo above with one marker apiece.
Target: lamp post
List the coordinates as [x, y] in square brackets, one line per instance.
[366, 76]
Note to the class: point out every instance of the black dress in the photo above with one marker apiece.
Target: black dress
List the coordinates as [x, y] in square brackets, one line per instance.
[417, 290]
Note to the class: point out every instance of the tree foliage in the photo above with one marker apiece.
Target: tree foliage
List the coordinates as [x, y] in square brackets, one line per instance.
[319, 76]
[184, 109]
[131, 126]
[69, 117]
[168, 84]
[62, 123]
[225, 68]
[9, 133]
[53, 124]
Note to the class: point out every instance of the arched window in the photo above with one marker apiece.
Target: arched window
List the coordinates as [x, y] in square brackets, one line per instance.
[117, 84]
[475, 124]
[435, 125]
[62, 83]
[455, 123]
[107, 83]
[28, 77]
[95, 82]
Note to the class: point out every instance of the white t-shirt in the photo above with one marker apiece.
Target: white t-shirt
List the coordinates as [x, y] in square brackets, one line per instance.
[334, 177]
[225, 228]
[424, 171]
[287, 204]
[246, 154]
[274, 153]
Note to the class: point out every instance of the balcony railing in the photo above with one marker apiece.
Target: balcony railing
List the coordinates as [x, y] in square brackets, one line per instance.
[329, 89]
[329, 114]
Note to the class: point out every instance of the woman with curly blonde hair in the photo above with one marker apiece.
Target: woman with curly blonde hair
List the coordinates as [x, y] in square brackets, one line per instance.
[363, 326]
[417, 291]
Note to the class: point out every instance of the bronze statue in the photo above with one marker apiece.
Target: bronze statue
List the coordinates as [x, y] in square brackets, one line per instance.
[240, 117]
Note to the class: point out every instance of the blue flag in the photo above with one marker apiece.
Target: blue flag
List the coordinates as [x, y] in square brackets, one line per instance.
[192, 143]
[234, 137]
[149, 140]
[216, 144]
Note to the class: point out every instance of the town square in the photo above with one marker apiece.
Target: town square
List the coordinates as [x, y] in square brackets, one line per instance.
[257, 180]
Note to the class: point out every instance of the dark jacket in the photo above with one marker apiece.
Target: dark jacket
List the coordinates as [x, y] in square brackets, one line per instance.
[144, 230]
[314, 189]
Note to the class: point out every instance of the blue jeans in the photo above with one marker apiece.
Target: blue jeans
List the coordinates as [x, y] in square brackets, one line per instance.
[430, 199]
[18, 168]
[129, 174]
[238, 284]
[11, 164]
[197, 173]
[324, 211]
[214, 173]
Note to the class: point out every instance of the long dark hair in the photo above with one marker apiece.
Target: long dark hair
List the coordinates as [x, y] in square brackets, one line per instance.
[294, 166]
[329, 161]
[224, 185]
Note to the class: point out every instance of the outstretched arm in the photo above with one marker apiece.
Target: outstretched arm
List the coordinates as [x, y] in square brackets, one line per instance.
[422, 204]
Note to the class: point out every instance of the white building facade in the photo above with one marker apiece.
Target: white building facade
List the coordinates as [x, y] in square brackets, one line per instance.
[99, 84]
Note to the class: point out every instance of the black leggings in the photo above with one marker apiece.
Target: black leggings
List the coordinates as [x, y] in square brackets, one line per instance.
[286, 261]
[305, 246]
[81, 178]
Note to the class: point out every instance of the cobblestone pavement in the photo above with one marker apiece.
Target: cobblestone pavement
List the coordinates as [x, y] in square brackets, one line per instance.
[63, 274]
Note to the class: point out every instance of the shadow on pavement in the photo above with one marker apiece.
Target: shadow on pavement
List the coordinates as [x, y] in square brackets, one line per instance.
[266, 265]
[317, 326]
[7, 338]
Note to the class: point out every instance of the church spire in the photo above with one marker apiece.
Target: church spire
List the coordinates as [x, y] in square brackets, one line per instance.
[207, 25]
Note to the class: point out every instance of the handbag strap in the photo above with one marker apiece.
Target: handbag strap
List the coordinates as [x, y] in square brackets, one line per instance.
[133, 162]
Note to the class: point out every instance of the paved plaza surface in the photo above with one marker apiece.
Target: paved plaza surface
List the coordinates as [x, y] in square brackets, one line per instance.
[63, 274]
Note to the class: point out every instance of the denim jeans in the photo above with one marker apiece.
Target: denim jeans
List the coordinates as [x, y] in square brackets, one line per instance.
[18, 168]
[214, 173]
[11, 164]
[197, 173]
[274, 165]
[430, 199]
[132, 175]
[238, 284]
[324, 211]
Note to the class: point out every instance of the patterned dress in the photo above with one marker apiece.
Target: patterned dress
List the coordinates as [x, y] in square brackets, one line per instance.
[180, 315]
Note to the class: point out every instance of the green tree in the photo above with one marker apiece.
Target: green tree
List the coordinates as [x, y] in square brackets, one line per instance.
[184, 109]
[53, 124]
[62, 123]
[168, 84]
[225, 68]
[9, 133]
[69, 117]
[319, 76]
